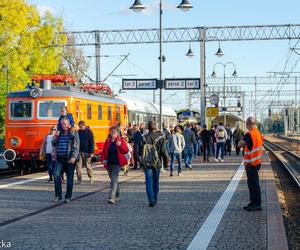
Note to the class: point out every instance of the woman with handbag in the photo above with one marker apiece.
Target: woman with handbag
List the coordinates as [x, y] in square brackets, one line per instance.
[113, 159]
[46, 152]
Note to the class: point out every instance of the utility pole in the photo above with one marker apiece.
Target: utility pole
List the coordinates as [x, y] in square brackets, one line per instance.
[255, 98]
[202, 39]
[296, 115]
[97, 58]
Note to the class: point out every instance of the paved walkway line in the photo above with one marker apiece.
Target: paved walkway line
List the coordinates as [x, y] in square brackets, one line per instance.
[22, 182]
[209, 227]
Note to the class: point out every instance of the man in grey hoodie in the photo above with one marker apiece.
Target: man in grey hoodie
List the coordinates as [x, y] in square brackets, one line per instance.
[189, 138]
[176, 145]
[221, 136]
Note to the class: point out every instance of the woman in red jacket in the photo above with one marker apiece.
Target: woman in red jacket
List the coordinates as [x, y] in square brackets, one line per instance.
[113, 158]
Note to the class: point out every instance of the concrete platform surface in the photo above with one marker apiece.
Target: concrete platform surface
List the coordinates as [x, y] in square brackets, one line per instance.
[187, 203]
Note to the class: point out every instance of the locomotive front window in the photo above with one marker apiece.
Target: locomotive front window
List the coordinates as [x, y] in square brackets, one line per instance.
[20, 110]
[50, 109]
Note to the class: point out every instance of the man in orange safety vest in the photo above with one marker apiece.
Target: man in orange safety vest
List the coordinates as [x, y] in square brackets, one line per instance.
[252, 142]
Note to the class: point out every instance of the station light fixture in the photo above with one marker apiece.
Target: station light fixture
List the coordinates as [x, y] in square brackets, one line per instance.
[214, 75]
[185, 5]
[219, 53]
[190, 52]
[234, 74]
[137, 6]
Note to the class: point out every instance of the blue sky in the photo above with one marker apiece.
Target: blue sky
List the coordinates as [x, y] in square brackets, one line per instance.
[253, 58]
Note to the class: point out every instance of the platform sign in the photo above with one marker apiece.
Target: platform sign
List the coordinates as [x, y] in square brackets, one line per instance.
[192, 84]
[174, 84]
[212, 112]
[146, 84]
[181, 83]
[129, 84]
[231, 109]
[139, 84]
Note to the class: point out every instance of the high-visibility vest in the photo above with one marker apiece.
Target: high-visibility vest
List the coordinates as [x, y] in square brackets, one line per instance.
[254, 157]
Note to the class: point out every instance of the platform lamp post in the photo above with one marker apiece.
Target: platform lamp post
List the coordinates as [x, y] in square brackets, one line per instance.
[191, 54]
[138, 7]
[219, 52]
[234, 74]
[5, 68]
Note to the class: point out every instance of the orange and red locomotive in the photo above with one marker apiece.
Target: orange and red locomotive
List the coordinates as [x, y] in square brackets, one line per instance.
[31, 112]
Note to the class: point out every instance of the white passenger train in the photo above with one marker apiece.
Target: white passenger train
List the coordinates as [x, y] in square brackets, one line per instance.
[143, 112]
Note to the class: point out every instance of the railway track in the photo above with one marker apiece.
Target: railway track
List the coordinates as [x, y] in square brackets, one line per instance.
[285, 164]
[7, 173]
[291, 139]
[289, 159]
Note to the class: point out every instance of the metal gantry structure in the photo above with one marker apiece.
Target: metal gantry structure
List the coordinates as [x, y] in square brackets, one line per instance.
[98, 38]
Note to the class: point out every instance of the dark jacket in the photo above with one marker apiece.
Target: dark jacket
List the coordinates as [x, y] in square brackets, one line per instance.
[189, 137]
[229, 134]
[238, 134]
[137, 142]
[206, 136]
[73, 148]
[213, 135]
[161, 145]
[86, 141]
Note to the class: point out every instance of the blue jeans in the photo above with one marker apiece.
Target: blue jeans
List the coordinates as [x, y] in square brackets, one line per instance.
[196, 149]
[152, 183]
[253, 184]
[62, 164]
[175, 156]
[220, 146]
[50, 165]
[188, 155]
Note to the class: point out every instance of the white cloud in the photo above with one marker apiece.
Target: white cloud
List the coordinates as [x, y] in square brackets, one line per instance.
[44, 8]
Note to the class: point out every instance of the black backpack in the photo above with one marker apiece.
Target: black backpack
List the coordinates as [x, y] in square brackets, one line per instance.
[150, 156]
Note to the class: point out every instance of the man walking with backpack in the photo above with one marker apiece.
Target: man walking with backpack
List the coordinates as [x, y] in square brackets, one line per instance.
[154, 149]
[221, 136]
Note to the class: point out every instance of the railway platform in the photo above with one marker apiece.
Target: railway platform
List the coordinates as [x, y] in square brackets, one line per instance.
[202, 209]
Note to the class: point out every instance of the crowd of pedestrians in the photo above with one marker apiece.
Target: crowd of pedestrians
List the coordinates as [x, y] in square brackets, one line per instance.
[65, 150]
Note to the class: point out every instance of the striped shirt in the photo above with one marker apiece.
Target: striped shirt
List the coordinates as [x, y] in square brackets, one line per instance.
[63, 145]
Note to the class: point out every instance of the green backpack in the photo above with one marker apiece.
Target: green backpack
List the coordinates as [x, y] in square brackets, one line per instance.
[150, 155]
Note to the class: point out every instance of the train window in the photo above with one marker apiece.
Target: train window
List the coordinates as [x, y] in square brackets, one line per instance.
[141, 118]
[108, 113]
[118, 117]
[89, 111]
[99, 112]
[77, 106]
[50, 109]
[21, 110]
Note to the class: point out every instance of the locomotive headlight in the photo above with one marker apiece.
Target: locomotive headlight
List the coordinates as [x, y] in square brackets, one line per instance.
[35, 92]
[15, 142]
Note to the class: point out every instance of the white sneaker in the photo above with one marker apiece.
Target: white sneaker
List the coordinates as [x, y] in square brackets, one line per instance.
[222, 160]
[111, 201]
[216, 159]
[163, 170]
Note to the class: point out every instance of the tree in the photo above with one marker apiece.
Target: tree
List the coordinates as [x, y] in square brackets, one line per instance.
[25, 37]
[75, 63]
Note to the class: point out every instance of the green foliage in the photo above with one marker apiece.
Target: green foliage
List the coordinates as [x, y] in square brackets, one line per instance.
[25, 37]
[275, 124]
